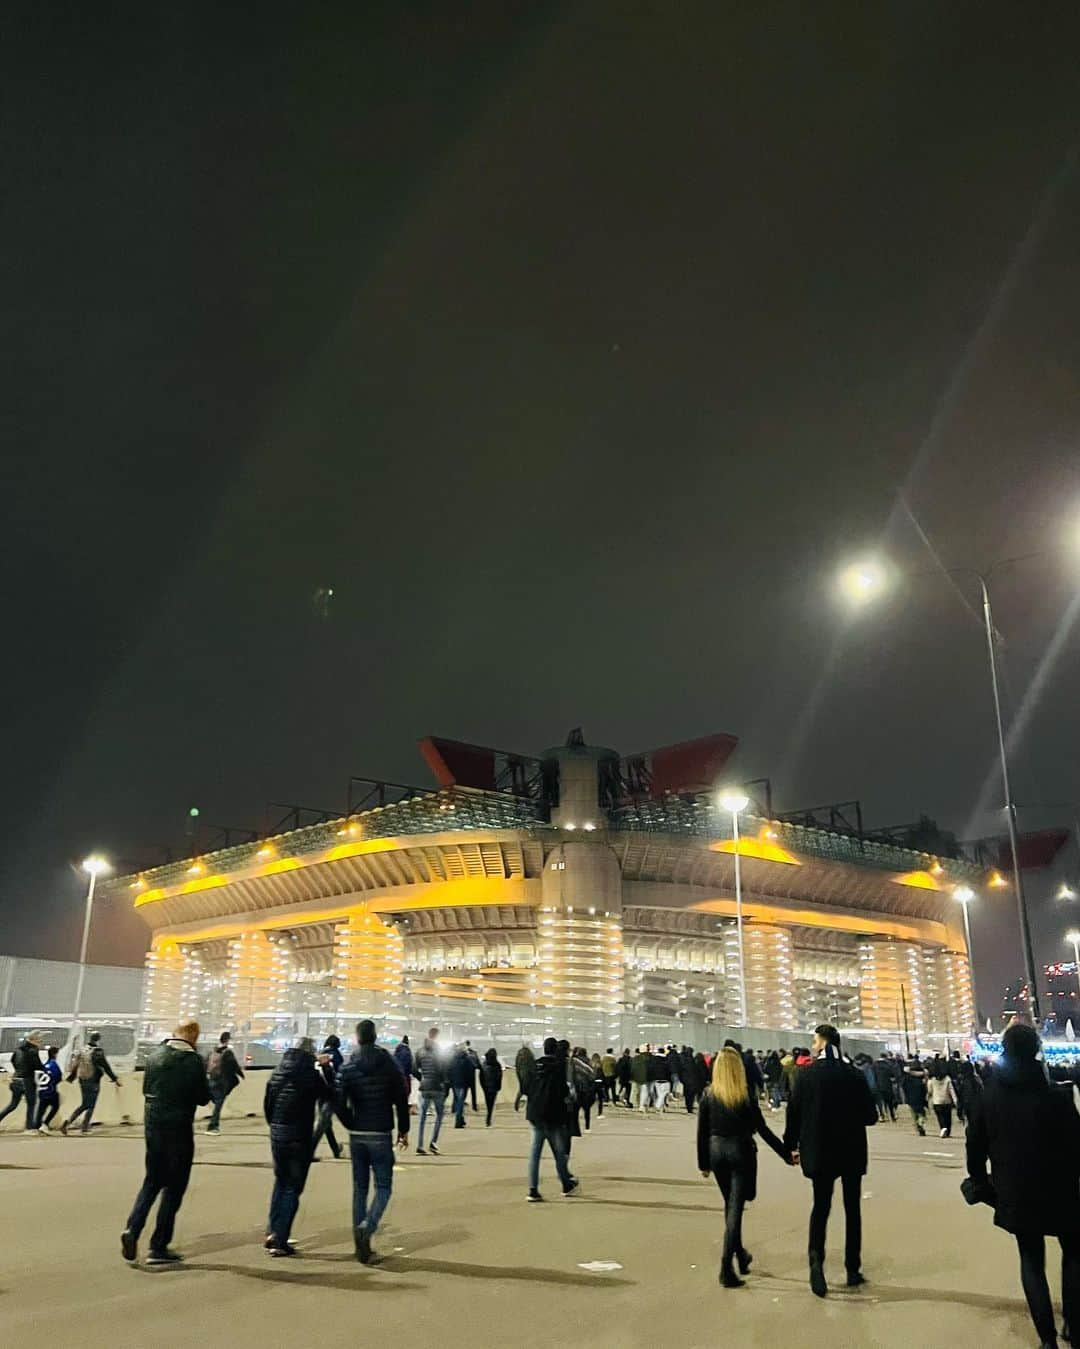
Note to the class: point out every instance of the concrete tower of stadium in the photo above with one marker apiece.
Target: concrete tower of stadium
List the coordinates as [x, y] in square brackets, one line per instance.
[577, 890]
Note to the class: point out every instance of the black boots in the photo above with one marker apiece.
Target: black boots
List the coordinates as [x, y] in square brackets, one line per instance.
[818, 1286]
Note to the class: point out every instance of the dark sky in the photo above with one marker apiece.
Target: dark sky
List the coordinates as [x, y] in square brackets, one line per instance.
[573, 345]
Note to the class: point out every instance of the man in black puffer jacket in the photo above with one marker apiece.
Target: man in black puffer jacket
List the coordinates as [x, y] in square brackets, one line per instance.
[295, 1089]
[371, 1090]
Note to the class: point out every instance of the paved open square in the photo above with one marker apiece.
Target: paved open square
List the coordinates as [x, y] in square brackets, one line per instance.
[467, 1259]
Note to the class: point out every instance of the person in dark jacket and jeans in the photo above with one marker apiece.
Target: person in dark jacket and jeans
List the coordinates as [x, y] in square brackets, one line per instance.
[462, 1075]
[549, 1113]
[371, 1091]
[728, 1119]
[174, 1083]
[491, 1076]
[25, 1061]
[88, 1067]
[296, 1087]
[325, 1126]
[827, 1118]
[224, 1072]
[431, 1073]
[1029, 1133]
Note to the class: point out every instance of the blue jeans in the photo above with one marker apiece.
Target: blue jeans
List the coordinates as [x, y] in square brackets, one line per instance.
[371, 1153]
[459, 1104]
[436, 1103]
[558, 1140]
[22, 1090]
[90, 1092]
[218, 1092]
[291, 1163]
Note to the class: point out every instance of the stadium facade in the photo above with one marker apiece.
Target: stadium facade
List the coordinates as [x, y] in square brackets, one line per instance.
[577, 891]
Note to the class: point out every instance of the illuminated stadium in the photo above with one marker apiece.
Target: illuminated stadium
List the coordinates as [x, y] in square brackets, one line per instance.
[577, 890]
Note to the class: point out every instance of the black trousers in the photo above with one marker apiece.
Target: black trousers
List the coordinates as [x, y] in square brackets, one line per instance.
[169, 1155]
[490, 1097]
[736, 1183]
[944, 1118]
[1033, 1276]
[819, 1219]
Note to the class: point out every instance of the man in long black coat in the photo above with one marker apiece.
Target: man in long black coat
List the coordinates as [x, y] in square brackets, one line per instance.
[827, 1117]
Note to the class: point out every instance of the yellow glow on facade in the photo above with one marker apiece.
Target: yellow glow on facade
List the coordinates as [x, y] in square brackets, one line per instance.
[763, 848]
[918, 880]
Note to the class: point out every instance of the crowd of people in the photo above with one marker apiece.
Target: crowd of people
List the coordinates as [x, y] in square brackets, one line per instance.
[828, 1103]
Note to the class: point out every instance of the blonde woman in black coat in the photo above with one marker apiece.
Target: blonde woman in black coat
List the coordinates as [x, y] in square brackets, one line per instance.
[728, 1119]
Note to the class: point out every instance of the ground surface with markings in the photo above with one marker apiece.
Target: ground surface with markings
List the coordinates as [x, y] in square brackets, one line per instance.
[631, 1261]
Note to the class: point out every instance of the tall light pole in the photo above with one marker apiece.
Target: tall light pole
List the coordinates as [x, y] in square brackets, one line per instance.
[94, 867]
[733, 800]
[964, 895]
[863, 582]
[1074, 937]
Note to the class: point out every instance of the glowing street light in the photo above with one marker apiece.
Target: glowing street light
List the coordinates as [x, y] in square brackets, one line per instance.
[964, 894]
[862, 582]
[733, 800]
[94, 866]
[1065, 891]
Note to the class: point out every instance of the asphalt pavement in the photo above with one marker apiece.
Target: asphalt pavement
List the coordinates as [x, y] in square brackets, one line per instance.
[631, 1261]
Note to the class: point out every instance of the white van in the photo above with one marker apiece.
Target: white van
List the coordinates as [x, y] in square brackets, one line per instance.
[117, 1038]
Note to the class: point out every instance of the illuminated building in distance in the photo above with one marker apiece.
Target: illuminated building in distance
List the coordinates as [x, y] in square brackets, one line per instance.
[579, 891]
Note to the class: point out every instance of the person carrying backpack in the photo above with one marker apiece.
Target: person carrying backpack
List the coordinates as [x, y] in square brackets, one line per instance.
[87, 1068]
[48, 1077]
[223, 1072]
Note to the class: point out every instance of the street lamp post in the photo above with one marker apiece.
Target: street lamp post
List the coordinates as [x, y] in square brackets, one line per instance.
[964, 894]
[94, 867]
[862, 583]
[1074, 937]
[735, 801]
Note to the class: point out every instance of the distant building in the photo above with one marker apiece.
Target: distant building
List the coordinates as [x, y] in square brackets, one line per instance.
[580, 891]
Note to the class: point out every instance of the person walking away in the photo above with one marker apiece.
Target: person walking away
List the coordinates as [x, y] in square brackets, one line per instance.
[942, 1098]
[491, 1076]
[968, 1087]
[548, 1112]
[886, 1089]
[827, 1118]
[523, 1064]
[403, 1057]
[622, 1077]
[297, 1088]
[727, 1122]
[787, 1069]
[865, 1065]
[1028, 1131]
[48, 1090]
[325, 1126]
[88, 1068]
[659, 1082]
[461, 1076]
[914, 1088]
[224, 1072]
[774, 1076]
[433, 1088]
[639, 1076]
[688, 1076]
[174, 1084]
[25, 1062]
[371, 1092]
[474, 1059]
[609, 1072]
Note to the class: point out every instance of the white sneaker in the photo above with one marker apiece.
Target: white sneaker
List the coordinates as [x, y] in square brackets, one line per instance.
[44, 1129]
[942, 1134]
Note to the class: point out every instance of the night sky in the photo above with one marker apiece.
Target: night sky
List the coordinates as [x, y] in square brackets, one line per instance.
[573, 346]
